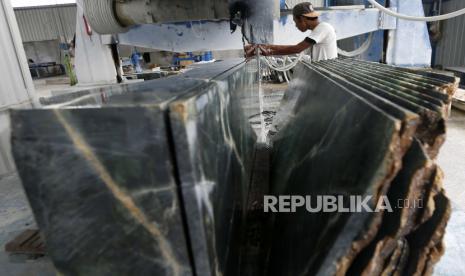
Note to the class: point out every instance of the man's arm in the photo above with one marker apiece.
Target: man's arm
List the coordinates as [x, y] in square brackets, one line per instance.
[279, 50]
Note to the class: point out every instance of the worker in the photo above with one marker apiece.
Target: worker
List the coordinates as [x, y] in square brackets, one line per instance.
[321, 41]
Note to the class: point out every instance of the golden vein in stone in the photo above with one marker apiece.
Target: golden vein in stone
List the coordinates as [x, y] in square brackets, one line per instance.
[80, 144]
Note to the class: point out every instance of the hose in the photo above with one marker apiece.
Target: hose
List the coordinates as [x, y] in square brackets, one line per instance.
[287, 75]
[416, 18]
[283, 68]
[362, 49]
[273, 64]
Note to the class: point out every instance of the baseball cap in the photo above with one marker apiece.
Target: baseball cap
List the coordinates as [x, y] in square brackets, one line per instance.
[305, 9]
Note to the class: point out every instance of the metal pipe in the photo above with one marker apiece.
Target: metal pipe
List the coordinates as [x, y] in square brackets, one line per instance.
[111, 16]
[146, 12]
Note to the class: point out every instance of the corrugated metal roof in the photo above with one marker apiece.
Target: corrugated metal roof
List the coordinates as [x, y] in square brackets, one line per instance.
[450, 50]
[46, 22]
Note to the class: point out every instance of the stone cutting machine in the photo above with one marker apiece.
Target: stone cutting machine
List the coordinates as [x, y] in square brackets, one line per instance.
[209, 25]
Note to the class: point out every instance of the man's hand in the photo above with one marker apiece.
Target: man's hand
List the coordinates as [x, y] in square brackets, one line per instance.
[248, 47]
[265, 50]
[250, 50]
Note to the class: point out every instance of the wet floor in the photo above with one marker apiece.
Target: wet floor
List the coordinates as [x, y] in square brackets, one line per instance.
[273, 94]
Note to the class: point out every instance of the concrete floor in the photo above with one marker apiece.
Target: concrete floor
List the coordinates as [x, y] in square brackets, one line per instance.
[452, 161]
[16, 216]
[46, 87]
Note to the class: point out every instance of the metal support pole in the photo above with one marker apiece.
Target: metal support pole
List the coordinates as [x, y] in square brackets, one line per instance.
[262, 138]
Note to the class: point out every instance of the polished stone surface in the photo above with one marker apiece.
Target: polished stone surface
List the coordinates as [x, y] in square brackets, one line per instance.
[410, 120]
[165, 177]
[393, 89]
[445, 81]
[102, 189]
[215, 147]
[324, 149]
[319, 104]
[143, 162]
[420, 88]
[431, 130]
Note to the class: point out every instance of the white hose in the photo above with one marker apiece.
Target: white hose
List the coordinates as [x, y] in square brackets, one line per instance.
[285, 73]
[274, 64]
[362, 49]
[417, 18]
[283, 68]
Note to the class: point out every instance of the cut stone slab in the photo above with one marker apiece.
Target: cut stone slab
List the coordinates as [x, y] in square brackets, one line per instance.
[426, 245]
[449, 83]
[410, 120]
[215, 147]
[322, 150]
[161, 177]
[129, 164]
[407, 193]
[100, 184]
[431, 130]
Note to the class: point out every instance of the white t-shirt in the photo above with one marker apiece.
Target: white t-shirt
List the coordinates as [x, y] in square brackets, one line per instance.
[326, 43]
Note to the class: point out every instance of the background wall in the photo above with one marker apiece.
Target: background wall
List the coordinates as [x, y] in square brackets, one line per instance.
[43, 28]
[43, 51]
[375, 52]
[450, 48]
[316, 3]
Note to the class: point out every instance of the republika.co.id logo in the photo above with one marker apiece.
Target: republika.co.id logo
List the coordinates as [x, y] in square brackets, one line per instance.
[334, 204]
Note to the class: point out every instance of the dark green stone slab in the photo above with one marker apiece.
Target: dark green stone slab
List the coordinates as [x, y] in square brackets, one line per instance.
[374, 83]
[426, 246]
[334, 143]
[215, 147]
[157, 90]
[115, 150]
[101, 186]
[431, 76]
[435, 91]
[396, 83]
[431, 130]
[410, 120]
[144, 93]
[396, 71]
[411, 78]
[406, 196]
